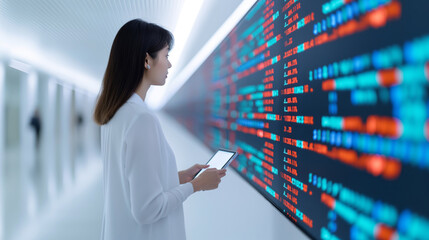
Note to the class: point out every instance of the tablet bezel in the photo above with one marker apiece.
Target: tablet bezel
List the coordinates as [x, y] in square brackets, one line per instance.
[226, 163]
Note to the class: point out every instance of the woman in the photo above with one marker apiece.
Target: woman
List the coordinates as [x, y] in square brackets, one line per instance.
[142, 188]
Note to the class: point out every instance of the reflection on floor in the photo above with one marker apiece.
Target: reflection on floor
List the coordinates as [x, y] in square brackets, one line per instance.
[76, 215]
[42, 199]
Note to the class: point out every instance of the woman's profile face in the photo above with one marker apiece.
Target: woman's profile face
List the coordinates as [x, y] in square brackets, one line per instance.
[158, 67]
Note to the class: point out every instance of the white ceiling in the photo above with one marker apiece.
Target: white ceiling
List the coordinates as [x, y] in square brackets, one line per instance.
[78, 33]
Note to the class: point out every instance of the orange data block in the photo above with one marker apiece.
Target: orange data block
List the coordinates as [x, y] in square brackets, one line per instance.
[307, 221]
[268, 79]
[348, 28]
[269, 7]
[321, 39]
[320, 148]
[269, 175]
[269, 14]
[389, 77]
[292, 190]
[384, 232]
[392, 169]
[268, 181]
[288, 5]
[385, 126]
[328, 200]
[346, 156]
[259, 182]
[269, 72]
[268, 86]
[352, 124]
[304, 187]
[268, 109]
[394, 10]
[267, 166]
[308, 120]
[289, 206]
[328, 85]
[374, 164]
[292, 171]
[268, 152]
[268, 101]
[269, 145]
[379, 17]
[267, 37]
[377, 165]
[268, 159]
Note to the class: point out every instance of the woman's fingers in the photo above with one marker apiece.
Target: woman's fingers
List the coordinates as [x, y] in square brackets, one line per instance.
[200, 166]
[222, 173]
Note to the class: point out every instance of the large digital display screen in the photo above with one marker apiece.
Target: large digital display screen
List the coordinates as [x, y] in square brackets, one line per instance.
[327, 103]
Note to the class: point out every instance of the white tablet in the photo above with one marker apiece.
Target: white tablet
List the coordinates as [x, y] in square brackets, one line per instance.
[220, 160]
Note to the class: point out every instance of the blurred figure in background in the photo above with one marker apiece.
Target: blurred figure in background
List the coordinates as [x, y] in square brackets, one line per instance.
[36, 124]
[79, 125]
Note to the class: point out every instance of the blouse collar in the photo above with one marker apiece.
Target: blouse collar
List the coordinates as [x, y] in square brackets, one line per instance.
[135, 98]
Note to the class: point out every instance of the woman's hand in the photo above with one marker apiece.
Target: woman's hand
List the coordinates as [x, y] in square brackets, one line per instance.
[188, 174]
[208, 180]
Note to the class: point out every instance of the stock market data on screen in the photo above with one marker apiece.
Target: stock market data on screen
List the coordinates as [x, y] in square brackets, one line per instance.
[327, 103]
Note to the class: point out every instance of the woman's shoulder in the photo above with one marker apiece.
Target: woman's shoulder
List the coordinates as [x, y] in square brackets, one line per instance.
[129, 113]
[138, 115]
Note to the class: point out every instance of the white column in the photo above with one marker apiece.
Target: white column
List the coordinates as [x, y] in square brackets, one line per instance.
[50, 144]
[91, 129]
[82, 137]
[2, 135]
[58, 138]
[46, 102]
[64, 123]
[2, 110]
[72, 134]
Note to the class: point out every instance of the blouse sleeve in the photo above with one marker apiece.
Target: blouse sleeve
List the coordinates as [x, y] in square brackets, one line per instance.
[149, 201]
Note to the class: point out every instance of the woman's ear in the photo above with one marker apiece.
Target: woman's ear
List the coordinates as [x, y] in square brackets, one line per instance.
[148, 61]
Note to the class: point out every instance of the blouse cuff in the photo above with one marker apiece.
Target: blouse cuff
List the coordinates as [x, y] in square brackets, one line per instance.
[186, 190]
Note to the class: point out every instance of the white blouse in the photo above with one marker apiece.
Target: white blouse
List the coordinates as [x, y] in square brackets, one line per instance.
[142, 195]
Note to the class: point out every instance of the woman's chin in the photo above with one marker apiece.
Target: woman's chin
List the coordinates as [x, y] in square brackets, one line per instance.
[160, 83]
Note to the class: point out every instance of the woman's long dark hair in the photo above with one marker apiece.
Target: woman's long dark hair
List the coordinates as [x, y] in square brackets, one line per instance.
[125, 68]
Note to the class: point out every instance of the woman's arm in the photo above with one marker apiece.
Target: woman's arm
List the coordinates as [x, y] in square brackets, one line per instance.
[182, 177]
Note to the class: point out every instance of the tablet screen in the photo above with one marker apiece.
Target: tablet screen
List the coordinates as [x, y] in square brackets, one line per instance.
[219, 160]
